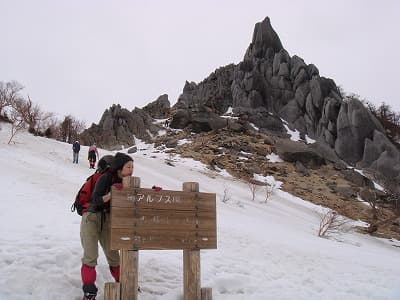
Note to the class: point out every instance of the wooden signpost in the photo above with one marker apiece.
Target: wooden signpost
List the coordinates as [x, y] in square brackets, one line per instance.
[145, 219]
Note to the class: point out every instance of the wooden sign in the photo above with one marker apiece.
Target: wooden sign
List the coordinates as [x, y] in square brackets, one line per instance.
[145, 219]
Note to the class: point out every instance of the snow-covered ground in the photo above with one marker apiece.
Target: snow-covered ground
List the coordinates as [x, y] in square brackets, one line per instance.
[265, 250]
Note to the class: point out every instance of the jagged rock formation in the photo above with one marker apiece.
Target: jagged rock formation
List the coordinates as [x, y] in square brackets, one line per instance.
[270, 85]
[197, 120]
[269, 89]
[118, 126]
[200, 105]
[355, 124]
[158, 109]
[265, 93]
[214, 92]
[381, 155]
[298, 152]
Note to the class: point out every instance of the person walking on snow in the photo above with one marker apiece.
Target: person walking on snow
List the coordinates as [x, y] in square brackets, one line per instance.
[92, 156]
[76, 147]
[95, 225]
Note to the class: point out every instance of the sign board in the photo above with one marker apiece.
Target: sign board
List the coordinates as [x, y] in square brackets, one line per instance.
[145, 219]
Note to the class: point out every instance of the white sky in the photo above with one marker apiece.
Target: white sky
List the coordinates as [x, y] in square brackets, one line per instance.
[80, 57]
[265, 250]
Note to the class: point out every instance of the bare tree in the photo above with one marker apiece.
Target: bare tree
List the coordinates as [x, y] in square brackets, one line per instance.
[24, 113]
[70, 128]
[9, 92]
[32, 115]
[269, 189]
[20, 112]
[66, 129]
[392, 201]
[49, 125]
[226, 197]
[373, 203]
[253, 187]
[42, 124]
[331, 222]
[77, 127]
[16, 117]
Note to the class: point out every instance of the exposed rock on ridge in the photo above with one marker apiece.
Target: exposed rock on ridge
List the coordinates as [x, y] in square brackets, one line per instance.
[200, 105]
[214, 92]
[355, 124]
[118, 126]
[264, 38]
[270, 81]
[158, 109]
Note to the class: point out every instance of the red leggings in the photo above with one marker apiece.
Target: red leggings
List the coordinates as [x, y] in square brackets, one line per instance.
[88, 274]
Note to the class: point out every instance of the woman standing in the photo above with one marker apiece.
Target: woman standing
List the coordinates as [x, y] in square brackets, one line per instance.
[93, 153]
[95, 225]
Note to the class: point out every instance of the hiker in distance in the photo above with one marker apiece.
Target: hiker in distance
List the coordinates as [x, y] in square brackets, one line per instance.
[76, 147]
[95, 225]
[92, 155]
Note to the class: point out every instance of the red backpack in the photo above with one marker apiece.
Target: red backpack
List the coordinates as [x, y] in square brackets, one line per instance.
[82, 199]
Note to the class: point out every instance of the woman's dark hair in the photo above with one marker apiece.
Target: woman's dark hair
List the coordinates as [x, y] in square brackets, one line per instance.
[105, 162]
[120, 159]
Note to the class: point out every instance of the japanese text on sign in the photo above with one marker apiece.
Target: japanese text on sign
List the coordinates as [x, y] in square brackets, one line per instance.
[166, 199]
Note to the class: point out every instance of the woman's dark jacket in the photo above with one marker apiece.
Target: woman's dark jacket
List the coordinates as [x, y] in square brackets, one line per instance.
[102, 187]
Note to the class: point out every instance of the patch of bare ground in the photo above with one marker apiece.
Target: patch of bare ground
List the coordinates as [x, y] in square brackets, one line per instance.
[315, 188]
[243, 155]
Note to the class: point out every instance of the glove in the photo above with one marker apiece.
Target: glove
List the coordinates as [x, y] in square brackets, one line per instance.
[156, 188]
[118, 186]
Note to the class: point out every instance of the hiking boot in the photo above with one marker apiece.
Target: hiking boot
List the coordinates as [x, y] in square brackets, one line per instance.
[89, 296]
[89, 292]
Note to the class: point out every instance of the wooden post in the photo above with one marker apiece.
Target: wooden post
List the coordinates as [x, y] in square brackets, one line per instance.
[206, 293]
[129, 263]
[112, 291]
[191, 261]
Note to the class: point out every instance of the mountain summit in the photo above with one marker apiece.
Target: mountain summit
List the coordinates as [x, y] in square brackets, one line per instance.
[264, 37]
[268, 89]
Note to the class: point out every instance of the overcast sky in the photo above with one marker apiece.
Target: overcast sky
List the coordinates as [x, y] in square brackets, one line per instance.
[80, 57]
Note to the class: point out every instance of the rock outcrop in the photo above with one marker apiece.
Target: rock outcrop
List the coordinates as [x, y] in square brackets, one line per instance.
[200, 105]
[241, 115]
[160, 108]
[268, 90]
[198, 119]
[269, 86]
[298, 152]
[354, 125]
[118, 127]
[214, 92]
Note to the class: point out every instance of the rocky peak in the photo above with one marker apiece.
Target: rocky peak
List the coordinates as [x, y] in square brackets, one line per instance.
[213, 92]
[118, 127]
[158, 109]
[271, 91]
[264, 38]
[272, 88]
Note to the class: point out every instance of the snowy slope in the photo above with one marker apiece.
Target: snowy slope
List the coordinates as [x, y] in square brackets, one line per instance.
[265, 250]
